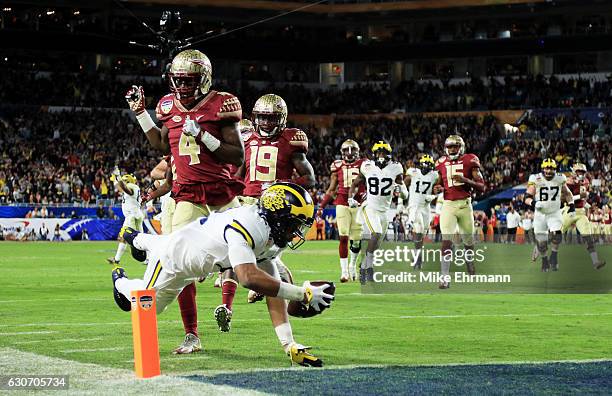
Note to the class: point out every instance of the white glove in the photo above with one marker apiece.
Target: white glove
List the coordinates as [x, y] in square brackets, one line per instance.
[191, 127]
[316, 295]
[539, 205]
[353, 202]
[116, 172]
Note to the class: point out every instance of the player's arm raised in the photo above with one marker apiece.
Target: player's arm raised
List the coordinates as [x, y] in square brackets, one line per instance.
[158, 137]
[304, 169]
[331, 190]
[120, 183]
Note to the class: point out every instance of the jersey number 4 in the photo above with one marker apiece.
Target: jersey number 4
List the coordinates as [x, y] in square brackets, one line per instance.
[262, 163]
[188, 146]
[378, 186]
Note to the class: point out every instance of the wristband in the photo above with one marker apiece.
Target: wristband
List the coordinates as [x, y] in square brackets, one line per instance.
[145, 121]
[577, 197]
[211, 142]
[287, 291]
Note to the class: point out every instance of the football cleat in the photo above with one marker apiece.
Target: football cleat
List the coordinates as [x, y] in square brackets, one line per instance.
[223, 316]
[191, 344]
[253, 297]
[121, 300]
[545, 266]
[112, 261]
[599, 265]
[362, 276]
[344, 278]
[443, 285]
[299, 354]
[217, 281]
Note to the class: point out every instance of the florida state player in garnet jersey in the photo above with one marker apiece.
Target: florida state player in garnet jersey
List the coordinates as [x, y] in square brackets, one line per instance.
[199, 130]
[343, 173]
[459, 174]
[579, 185]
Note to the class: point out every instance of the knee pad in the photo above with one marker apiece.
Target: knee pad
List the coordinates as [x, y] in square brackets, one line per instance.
[557, 237]
[138, 255]
[355, 246]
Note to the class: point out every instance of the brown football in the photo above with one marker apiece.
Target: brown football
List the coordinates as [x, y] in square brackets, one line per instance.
[301, 310]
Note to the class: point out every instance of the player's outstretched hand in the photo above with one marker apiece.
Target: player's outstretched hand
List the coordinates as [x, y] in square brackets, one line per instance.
[191, 127]
[353, 202]
[136, 99]
[316, 296]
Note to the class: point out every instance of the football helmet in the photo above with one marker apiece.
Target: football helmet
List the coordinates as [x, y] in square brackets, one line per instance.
[454, 147]
[270, 115]
[129, 178]
[579, 170]
[289, 211]
[549, 168]
[349, 150]
[190, 75]
[246, 129]
[382, 153]
[426, 163]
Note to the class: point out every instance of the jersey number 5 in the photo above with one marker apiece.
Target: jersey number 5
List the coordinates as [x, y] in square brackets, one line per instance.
[262, 163]
[188, 146]
[350, 174]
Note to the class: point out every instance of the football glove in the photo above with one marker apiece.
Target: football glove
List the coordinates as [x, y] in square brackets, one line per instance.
[316, 296]
[191, 127]
[299, 354]
[136, 99]
[353, 202]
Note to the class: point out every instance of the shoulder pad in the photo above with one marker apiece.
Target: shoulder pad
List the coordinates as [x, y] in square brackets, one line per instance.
[297, 138]
[335, 166]
[229, 107]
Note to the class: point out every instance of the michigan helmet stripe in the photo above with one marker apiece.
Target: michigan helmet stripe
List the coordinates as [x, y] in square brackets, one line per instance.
[306, 209]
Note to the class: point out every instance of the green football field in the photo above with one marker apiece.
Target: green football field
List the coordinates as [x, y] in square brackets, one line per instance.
[57, 313]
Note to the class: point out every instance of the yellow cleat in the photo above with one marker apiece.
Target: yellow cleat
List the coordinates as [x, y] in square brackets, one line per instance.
[299, 354]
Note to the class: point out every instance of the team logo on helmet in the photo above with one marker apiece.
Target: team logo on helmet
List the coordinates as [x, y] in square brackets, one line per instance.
[190, 74]
[454, 141]
[549, 168]
[382, 153]
[349, 150]
[270, 115]
[426, 163]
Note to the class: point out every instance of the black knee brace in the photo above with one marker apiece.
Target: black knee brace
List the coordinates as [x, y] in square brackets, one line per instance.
[557, 237]
[355, 246]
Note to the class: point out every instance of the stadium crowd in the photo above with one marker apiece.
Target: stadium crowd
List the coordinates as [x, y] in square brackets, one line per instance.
[87, 145]
[107, 90]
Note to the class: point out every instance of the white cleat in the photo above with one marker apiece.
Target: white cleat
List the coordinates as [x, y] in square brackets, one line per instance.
[191, 344]
[344, 278]
[253, 297]
[217, 282]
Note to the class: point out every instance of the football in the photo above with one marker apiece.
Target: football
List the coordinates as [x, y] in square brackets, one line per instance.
[301, 310]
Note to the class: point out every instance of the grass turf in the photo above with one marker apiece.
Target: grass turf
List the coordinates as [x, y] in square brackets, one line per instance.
[56, 300]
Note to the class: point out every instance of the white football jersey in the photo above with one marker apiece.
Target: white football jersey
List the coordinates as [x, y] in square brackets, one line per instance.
[548, 192]
[380, 183]
[420, 186]
[222, 240]
[130, 204]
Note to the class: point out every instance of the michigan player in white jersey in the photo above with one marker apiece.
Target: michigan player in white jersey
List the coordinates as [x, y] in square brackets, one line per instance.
[421, 181]
[380, 177]
[130, 206]
[545, 192]
[242, 238]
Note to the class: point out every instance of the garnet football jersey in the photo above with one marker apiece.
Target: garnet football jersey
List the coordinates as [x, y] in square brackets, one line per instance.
[347, 173]
[463, 165]
[193, 160]
[577, 187]
[269, 160]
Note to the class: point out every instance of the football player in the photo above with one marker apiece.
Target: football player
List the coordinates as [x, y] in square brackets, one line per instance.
[163, 177]
[380, 176]
[199, 130]
[130, 206]
[273, 152]
[607, 220]
[343, 173]
[459, 174]
[421, 181]
[238, 238]
[545, 192]
[579, 185]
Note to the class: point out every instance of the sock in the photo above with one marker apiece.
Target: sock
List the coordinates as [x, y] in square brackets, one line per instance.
[284, 334]
[344, 265]
[343, 247]
[369, 261]
[228, 291]
[189, 311]
[120, 250]
[352, 261]
[553, 257]
[445, 266]
[594, 257]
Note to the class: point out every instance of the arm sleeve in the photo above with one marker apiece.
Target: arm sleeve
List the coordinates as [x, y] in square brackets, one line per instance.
[239, 250]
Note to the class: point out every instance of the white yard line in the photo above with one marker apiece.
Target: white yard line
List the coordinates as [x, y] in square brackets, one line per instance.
[18, 333]
[93, 379]
[46, 300]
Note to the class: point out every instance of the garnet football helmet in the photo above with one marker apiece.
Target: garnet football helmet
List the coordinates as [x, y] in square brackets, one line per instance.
[579, 170]
[190, 75]
[349, 150]
[270, 115]
[289, 211]
[454, 147]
